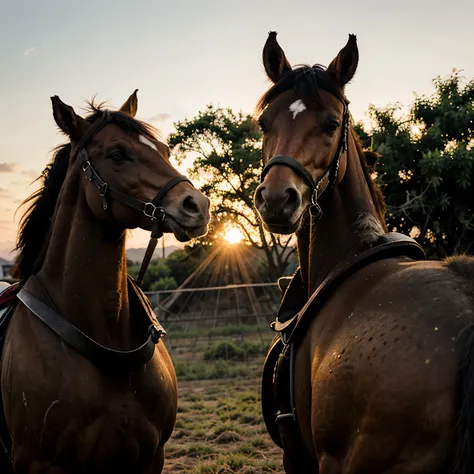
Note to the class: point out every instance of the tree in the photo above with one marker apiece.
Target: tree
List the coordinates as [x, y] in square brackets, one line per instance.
[170, 272]
[157, 270]
[226, 148]
[426, 169]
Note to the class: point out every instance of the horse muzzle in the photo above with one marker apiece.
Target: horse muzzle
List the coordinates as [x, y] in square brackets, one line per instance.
[279, 207]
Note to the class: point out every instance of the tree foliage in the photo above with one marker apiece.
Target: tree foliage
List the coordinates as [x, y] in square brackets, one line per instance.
[426, 169]
[170, 272]
[226, 148]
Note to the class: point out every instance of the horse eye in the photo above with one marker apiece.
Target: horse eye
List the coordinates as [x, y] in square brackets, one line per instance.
[117, 156]
[332, 126]
[261, 124]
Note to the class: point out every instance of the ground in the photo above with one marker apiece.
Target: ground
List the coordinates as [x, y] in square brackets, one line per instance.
[219, 428]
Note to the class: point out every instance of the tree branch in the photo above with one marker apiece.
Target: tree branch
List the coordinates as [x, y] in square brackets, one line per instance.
[223, 209]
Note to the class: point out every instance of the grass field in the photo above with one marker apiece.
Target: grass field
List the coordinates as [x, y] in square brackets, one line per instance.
[219, 428]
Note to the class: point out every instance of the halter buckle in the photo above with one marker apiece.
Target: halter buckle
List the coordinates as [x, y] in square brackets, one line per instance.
[314, 196]
[155, 211]
[315, 210]
[102, 191]
[156, 333]
[87, 168]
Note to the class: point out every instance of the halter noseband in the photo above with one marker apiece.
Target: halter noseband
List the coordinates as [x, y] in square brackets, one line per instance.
[332, 171]
[150, 209]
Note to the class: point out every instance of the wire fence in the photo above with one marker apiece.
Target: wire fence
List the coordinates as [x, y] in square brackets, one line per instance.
[197, 316]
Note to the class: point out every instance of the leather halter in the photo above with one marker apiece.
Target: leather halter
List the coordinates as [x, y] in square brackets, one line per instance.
[150, 209]
[43, 308]
[330, 174]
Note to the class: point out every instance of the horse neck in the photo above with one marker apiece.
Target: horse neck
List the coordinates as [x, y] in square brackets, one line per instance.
[85, 269]
[350, 224]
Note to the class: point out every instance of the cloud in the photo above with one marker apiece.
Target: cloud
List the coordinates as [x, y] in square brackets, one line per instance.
[8, 167]
[31, 173]
[29, 51]
[159, 117]
[13, 168]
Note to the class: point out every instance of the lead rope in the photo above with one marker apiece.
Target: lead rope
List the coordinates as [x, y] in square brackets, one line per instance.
[155, 235]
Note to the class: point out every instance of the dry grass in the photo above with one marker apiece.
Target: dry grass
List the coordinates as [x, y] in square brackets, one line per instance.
[220, 430]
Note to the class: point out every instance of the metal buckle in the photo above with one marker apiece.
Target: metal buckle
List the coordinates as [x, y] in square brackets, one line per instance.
[102, 190]
[156, 333]
[315, 209]
[279, 416]
[151, 215]
[154, 211]
[87, 168]
[314, 197]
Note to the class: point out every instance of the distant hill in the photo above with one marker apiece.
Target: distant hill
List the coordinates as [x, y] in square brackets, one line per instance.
[136, 255]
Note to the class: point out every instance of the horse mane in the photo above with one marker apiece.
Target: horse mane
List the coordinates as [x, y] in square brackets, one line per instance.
[375, 191]
[307, 81]
[35, 223]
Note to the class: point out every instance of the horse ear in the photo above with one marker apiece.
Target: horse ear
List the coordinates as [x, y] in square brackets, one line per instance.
[67, 120]
[343, 67]
[274, 59]
[371, 158]
[130, 106]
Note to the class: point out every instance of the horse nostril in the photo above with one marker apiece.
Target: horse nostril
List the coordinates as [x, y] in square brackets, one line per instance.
[292, 196]
[259, 197]
[190, 205]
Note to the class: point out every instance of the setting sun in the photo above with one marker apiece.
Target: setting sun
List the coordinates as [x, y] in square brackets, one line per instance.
[233, 236]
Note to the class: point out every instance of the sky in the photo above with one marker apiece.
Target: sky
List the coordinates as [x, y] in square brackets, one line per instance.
[183, 55]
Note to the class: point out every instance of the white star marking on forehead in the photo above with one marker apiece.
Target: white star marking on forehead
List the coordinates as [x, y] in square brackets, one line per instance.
[147, 142]
[297, 107]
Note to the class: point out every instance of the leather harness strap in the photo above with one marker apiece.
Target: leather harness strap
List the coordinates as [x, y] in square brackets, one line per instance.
[110, 359]
[389, 245]
[278, 403]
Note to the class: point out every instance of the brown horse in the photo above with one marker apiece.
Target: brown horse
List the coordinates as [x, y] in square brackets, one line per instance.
[78, 395]
[383, 364]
